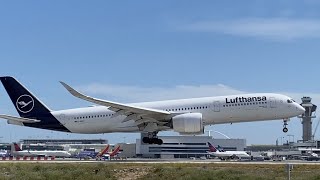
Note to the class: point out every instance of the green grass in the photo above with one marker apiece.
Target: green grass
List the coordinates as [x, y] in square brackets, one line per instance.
[153, 171]
[55, 171]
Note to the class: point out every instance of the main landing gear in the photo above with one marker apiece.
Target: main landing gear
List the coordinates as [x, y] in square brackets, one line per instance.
[285, 123]
[152, 139]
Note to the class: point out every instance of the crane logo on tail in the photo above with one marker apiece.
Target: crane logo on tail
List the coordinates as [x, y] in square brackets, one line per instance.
[25, 103]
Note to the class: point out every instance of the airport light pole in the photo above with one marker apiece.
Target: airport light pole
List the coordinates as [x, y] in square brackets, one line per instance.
[209, 132]
[290, 142]
[291, 135]
[288, 169]
[277, 141]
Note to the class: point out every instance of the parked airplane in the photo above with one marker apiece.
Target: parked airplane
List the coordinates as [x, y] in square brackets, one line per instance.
[309, 153]
[313, 154]
[186, 116]
[220, 153]
[46, 153]
[99, 155]
[4, 153]
[92, 154]
[103, 151]
[109, 155]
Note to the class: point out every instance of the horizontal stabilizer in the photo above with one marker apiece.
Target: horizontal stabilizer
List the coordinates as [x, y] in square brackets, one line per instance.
[18, 119]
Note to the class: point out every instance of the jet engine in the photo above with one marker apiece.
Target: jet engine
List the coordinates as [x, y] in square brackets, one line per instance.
[190, 123]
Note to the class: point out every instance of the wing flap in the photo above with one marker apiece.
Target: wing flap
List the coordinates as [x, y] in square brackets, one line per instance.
[18, 119]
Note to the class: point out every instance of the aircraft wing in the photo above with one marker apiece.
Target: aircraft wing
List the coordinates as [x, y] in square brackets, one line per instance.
[132, 112]
[18, 119]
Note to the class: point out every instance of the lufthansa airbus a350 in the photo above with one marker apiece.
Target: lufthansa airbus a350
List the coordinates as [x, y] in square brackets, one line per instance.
[186, 116]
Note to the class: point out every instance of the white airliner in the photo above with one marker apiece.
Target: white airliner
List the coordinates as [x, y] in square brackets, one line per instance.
[226, 154]
[47, 153]
[186, 116]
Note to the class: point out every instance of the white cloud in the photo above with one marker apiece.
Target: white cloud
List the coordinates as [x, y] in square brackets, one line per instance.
[279, 29]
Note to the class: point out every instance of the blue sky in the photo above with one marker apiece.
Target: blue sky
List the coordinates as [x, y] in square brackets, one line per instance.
[132, 51]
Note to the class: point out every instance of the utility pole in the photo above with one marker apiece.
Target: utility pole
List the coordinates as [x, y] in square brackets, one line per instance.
[209, 132]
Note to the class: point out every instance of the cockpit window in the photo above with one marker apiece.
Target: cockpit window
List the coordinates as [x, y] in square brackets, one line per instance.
[290, 101]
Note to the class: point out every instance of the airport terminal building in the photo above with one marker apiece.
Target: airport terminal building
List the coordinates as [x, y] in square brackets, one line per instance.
[173, 146]
[185, 146]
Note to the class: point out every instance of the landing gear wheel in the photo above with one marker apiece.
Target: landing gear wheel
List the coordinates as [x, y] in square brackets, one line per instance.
[146, 140]
[152, 139]
[285, 123]
[285, 129]
[159, 141]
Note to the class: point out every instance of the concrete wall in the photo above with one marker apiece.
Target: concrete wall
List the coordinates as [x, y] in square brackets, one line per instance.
[127, 150]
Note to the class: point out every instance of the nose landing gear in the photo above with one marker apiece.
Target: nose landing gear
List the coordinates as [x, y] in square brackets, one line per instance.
[285, 123]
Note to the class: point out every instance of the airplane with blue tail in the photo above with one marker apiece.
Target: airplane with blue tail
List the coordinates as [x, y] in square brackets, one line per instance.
[185, 116]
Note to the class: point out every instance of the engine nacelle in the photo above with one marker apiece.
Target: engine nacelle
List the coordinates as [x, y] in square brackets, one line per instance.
[190, 123]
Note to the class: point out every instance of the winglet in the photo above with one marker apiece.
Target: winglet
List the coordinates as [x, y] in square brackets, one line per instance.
[71, 90]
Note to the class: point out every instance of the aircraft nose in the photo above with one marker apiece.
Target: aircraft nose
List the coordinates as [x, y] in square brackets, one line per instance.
[300, 109]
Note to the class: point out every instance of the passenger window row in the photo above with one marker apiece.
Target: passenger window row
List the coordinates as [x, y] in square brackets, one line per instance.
[189, 108]
[244, 104]
[93, 116]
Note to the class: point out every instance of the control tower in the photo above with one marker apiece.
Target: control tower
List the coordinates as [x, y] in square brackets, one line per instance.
[307, 118]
